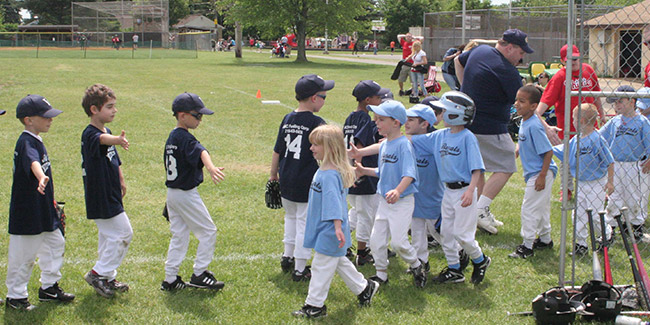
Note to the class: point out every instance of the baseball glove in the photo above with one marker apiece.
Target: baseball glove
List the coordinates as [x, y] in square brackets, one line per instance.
[165, 213]
[272, 195]
[60, 212]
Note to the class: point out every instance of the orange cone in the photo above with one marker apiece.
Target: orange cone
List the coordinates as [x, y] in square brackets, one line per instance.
[259, 94]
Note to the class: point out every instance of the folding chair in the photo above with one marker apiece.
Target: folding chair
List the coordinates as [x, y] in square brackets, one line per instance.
[430, 82]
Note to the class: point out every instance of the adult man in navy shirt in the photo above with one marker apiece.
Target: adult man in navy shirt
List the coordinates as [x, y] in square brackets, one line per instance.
[492, 81]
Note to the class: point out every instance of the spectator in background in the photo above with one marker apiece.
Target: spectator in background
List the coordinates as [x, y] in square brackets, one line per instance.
[406, 42]
[392, 47]
[646, 42]
[448, 69]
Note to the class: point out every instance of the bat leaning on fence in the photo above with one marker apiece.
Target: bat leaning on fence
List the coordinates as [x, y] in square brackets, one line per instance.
[595, 262]
[605, 244]
[637, 255]
[641, 290]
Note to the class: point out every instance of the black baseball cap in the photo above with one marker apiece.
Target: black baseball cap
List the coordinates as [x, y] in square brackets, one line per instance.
[624, 88]
[517, 37]
[365, 89]
[187, 102]
[385, 94]
[35, 105]
[430, 101]
[309, 85]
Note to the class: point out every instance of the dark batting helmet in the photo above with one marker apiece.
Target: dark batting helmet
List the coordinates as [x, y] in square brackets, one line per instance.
[554, 307]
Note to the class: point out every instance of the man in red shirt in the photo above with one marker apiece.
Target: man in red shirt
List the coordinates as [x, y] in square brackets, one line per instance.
[646, 42]
[406, 42]
[554, 94]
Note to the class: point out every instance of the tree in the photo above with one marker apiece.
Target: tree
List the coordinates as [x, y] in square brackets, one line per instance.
[457, 5]
[178, 9]
[402, 14]
[10, 11]
[50, 12]
[302, 17]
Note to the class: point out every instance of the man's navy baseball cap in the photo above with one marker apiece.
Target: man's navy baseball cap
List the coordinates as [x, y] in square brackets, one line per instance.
[365, 89]
[390, 108]
[187, 102]
[309, 85]
[624, 88]
[424, 111]
[35, 105]
[385, 94]
[517, 37]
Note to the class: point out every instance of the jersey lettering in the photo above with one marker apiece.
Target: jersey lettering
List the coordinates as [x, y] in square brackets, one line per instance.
[293, 146]
[172, 171]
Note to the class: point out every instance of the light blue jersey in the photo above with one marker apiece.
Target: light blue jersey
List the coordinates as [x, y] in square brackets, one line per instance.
[628, 137]
[396, 161]
[595, 157]
[533, 145]
[430, 190]
[327, 202]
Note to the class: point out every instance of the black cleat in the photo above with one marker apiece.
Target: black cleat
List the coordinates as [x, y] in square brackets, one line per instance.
[365, 297]
[287, 264]
[479, 270]
[539, 244]
[100, 284]
[54, 293]
[206, 281]
[308, 311]
[464, 260]
[364, 257]
[419, 276]
[378, 280]
[305, 275]
[19, 304]
[118, 286]
[448, 275]
[522, 252]
[178, 284]
[579, 250]
[390, 253]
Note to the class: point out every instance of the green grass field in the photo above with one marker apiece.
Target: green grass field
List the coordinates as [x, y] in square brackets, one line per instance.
[240, 137]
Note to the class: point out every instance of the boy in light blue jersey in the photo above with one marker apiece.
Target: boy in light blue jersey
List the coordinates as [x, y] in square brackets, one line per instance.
[398, 180]
[595, 173]
[459, 162]
[536, 154]
[628, 136]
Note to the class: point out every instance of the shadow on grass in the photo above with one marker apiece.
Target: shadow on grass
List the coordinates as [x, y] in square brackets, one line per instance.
[93, 308]
[38, 316]
[192, 301]
[285, 283]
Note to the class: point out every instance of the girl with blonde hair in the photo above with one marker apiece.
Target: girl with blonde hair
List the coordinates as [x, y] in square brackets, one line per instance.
[327, 230]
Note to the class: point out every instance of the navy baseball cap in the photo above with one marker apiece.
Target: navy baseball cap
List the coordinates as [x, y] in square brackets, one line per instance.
[187, 102]
[309, 85]
[424, 111]
[517, 37]
[430, 101]
[624, 88]
[643, 103]
[390, 108]
[385, 94]
[35, 105]
[365, 89]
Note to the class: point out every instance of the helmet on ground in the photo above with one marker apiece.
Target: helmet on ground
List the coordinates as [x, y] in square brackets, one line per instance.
[602, 300]
[459, 108]
[554, 307]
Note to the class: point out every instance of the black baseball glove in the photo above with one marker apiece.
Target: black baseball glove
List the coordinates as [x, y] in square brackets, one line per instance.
[60, 212]
[272, 195]
[165, 213]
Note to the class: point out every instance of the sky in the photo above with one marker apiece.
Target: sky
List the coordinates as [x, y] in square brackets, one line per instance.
[499, 2]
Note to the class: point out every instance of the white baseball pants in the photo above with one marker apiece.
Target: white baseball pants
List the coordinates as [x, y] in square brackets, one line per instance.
[459, 226]
[536, 211]
[188, 213]
[419, 234]
[393, 221]
[323, 268]
[362, 214]
[114, 237]
[591, 195]
[295, 218]
[23, 251]
[631, 187]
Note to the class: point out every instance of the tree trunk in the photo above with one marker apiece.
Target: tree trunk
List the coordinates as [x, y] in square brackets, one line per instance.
[301, 33]
[238, 39]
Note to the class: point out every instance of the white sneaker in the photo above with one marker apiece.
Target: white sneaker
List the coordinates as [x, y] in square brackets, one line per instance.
[485, 223]
[492, 218]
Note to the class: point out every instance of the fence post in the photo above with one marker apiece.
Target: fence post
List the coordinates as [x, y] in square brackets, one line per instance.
[38, 44]
[196, 44]
[150, 47]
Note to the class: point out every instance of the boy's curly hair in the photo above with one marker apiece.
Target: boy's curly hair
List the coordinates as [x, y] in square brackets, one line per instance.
[96, 95]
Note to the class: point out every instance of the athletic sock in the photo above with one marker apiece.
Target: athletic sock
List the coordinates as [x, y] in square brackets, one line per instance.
[288, 249]
[483, 202]
[479, 259]
[455, 266]
[383, 275]
[300, 264]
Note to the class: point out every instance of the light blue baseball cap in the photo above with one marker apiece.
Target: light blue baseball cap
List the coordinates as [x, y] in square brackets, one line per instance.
[424, 111]
[643, 103]
[390, 108]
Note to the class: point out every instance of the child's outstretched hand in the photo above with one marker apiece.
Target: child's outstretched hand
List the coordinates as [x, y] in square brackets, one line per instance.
[358, 169]
[353, 152]
[123, 141]
[340, 236]
[42, 183]
[217, 175]
[466, 198]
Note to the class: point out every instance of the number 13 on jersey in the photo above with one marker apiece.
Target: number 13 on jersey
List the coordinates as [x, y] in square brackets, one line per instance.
[170, 164]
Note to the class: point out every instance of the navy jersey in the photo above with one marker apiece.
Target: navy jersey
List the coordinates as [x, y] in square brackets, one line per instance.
[30, 212]
[183, 160]
[297, 164]
[361, 129]
[100, 168]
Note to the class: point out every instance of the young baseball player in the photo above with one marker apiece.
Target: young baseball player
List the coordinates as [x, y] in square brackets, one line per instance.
[595, 173]
[628, 136]
[455, 151]
[327, 230]
[296, 165]
[33, 220]
[359, 129]
[184, 161]
[398, 181]
[104, 189]
[536, 155]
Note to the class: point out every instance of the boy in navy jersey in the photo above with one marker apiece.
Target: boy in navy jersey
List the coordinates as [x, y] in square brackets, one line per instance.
[104, 188]
[33, 220]
[360, 130]
[296, 165]
[184, 159]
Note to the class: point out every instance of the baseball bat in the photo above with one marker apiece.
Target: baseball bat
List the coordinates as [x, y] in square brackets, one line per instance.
[520, 313]
[637, 254]
[605, 243]
[595, 261]
[641, 292]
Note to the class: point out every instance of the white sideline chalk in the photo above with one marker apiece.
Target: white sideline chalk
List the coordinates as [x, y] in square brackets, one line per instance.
[271, 102]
